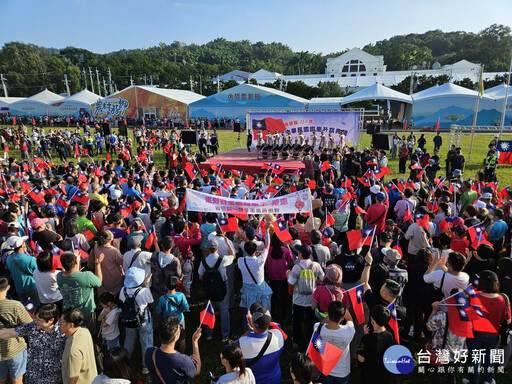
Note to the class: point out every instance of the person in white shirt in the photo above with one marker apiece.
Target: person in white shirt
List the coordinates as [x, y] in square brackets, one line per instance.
[135, 257]
[446, 274]
[383, 160]
[225, 244]
[46, 280]
[254, 288]
[340, 336]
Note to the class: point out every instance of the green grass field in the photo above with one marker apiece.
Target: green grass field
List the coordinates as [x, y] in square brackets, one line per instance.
[210, 350]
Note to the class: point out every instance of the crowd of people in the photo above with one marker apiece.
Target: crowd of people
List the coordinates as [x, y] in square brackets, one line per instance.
[105, 256]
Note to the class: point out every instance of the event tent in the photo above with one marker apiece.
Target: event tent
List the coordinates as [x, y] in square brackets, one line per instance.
[5, 102]
[318, 103]
[37, 105]
[499, 92]
[78, 105]
[452, 104]
[147, 101]
[377, 92]
[234, 102]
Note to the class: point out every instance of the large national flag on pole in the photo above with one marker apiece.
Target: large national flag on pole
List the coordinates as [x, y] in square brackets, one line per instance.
[436, 127]
[459, 322]
[360, 237]
[356, 299]
[505, 151]
[324, 354]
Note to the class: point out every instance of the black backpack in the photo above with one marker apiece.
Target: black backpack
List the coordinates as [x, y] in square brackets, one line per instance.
[131, 316]
[213, 284]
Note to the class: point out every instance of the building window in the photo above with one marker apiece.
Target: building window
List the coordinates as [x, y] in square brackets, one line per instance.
[374, 74]
[354, 66]
[332, 75]
[362, 74]
[353, 75]
[343, 75]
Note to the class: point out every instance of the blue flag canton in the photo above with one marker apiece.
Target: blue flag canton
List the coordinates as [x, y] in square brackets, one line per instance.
[505, 146]
[318, 343]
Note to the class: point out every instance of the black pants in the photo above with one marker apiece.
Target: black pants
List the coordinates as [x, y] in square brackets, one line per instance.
[401, 164]
[303, 321]
[280, 300]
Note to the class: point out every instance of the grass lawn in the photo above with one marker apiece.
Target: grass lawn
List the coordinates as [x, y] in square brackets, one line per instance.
[210, 350]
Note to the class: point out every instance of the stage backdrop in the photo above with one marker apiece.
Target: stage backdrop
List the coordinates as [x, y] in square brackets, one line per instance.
[308, 122]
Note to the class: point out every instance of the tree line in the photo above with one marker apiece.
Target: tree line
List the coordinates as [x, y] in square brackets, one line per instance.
[29, 69]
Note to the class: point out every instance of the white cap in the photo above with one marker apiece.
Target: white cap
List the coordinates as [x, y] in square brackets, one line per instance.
[375, 189]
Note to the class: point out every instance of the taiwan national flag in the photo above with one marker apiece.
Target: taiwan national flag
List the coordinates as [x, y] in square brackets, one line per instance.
[380, 173]
[346, 182]
[56, 253]
[480, 322]
[364, 181]
[505, 151]
[216, 167]
[278, 180]
[89, 235]
[63, 203]
[423, 221]
[458, 319]
[80, 198]
[151, 238]
[38, 249]
[360, 237]
[356, 299]
[267, 166]
[311, 184]
[228, 225]
[325, 166]
[324, 354]
[390, 186]
[281, 231]
[191, 170]
[436, 127]
[208, 316]
[329, 220]
[393, 322]
[408, 215]
[36, 195]
[478, 236]
[250, 182]
[236, 173]
[398, 248]
[278, 169]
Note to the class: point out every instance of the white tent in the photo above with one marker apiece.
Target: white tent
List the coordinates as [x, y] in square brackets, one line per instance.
[498, 92]
[377, 92]
[5, 102]
[318, 103]
[36, 105]
[78, 105]
[447, 90]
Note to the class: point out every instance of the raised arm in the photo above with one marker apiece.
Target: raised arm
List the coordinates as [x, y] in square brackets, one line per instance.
[365, 275]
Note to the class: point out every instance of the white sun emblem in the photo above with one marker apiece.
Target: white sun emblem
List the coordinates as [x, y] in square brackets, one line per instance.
[462, 313]
[504, 146]
[461, 300]
[318, 344]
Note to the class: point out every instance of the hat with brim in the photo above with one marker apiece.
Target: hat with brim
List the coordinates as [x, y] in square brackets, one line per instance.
[17, 241]
[375, 189]
[134, 277]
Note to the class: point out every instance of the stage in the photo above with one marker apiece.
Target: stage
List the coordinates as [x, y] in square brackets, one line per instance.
[241, 160]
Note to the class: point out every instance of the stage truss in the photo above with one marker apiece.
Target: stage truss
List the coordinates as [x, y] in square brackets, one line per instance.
[457, 131]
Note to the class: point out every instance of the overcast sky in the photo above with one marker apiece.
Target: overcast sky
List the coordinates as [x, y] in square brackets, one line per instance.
[323, 26]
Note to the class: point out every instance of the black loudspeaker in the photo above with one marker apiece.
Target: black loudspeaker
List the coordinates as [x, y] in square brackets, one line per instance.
[382, 141]
[369, 129]
[123, 131]
[236, 127]
[106, 129]
[188, 137]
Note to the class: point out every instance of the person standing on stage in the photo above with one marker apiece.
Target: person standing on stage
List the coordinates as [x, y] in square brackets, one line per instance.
[321, 145]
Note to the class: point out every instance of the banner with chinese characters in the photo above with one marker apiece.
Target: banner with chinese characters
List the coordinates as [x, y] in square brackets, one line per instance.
[309, 123]
[292, 203]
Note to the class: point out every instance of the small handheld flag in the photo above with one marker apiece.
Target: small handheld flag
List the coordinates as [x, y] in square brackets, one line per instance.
[324, 354]
[208, 316]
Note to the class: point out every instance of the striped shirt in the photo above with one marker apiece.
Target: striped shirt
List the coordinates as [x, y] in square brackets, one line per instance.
[12, 314]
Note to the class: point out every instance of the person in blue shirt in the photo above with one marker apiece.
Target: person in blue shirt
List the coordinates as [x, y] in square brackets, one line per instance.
[131, 191]
[174, 303]
[70, 187]
[22, 267]
[496, 230]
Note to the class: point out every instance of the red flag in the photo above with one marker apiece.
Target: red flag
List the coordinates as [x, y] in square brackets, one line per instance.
[56, 253]
[151, 238]
[458, 320]
[311, 184]
[108, 157]
[81, 198]
[408, 215]
[329, 220]
[360, 237]
[478, 236]
[236, 173]
[325, 166]
[277, 169]
[405, 125]
[266, 166]
[436, 127]
[293, 187]
[208, 316]
[228, 225]
[250, 182]
[503, 192]
[380, 173]
[397, 247]
[36, 195]
[393, 322]
[444, 225]
[281, 231]
[13, 121]
[216, 167]
[242, 216]
[364, 180]
[191, 170]
[359, 210]
[423, 221]
[480, 322]
[324, 354]
[209, 124]
[87, 233]
[356, 299]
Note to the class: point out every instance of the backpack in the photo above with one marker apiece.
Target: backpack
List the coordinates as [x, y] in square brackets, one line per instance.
[306, 282]
[213, 283]
[131, 316]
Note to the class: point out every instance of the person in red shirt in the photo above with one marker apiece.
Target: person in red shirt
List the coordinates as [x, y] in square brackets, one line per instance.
[460, 243]
[376, 213]
[184, 243]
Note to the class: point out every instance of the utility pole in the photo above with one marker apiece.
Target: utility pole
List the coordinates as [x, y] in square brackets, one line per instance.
[151, 79]
[92, 84]
[191, 84]
[3, 85]
[98, 80]
[104, 86]
[67, 84]
[85, 77]
[110, 80]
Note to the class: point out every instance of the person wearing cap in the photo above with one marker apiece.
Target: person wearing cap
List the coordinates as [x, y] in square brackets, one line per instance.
[223, 306]
[376, 214]
[385, 239]
[136, 280]
[95, 195]
[43, 234]
[490, 162]
[391, 260]
[21, 267]
[266, 369]
[458, 161]
[303, 315]
[329, 291]
[497, 311]
[13, 228]
[77, 287]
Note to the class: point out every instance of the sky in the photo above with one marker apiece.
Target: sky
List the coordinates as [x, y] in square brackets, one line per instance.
[320, 26]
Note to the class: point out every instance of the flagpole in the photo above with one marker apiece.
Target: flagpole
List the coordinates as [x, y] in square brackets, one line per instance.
[204, 314]
[475, 112]
[504, 108]
[449, 297]
[357, 286]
